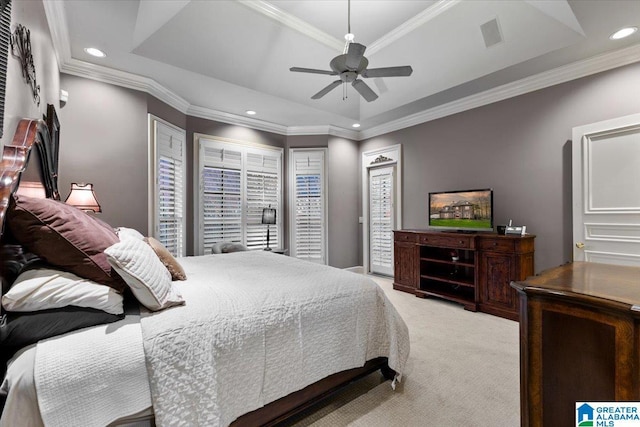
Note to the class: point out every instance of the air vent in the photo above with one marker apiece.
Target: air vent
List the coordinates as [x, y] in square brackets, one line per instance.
[491, 33]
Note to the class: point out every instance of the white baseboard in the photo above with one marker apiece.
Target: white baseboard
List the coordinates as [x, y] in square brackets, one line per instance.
[357, 269]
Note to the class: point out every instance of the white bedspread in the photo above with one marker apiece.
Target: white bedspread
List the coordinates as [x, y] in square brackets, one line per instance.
[93, 376]
[257, 326]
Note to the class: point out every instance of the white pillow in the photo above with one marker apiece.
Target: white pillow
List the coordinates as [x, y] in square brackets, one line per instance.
[139, 266]
[43, 289]
[125, 233]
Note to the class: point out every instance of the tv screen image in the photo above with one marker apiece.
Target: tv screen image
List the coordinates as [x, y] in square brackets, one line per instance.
[467, 210]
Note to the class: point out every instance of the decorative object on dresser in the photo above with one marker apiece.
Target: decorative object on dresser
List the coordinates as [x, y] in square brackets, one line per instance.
[83, 197]
[474, 270]
[579, 329]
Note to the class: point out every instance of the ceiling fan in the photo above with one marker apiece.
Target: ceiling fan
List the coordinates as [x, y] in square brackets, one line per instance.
[353, 64]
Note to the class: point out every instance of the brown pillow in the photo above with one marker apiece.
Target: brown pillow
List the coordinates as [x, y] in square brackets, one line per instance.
[176, 270]
[64, 236]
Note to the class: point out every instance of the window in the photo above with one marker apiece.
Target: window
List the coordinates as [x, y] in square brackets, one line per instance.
[308, 204]
[167, 220]
[235, 183]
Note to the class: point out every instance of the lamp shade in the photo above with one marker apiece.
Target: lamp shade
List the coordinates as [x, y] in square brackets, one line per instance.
[268, 216]
[31, 189]
[83, 198]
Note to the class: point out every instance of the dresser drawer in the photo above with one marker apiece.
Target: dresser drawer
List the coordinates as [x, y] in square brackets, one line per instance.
[446, 241]
[403, 236]
[497, 245]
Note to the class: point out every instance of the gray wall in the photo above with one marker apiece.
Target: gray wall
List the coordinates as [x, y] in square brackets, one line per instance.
[103, 141]
[343, 161]
[342, 201]
[19, 102]
[519, 147]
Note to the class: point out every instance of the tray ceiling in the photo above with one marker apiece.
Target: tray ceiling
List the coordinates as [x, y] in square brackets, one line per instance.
[217, 59]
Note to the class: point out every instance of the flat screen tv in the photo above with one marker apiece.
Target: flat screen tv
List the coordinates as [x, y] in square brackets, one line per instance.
[466, 210]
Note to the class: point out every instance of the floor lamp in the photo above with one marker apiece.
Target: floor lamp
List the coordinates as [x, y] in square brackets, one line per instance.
[269, 218]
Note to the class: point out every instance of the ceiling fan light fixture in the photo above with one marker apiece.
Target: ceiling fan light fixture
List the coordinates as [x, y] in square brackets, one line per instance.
[623, 32]
[351, 65]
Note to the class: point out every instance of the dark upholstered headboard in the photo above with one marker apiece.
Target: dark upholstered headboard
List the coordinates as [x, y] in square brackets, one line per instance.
[31, 156]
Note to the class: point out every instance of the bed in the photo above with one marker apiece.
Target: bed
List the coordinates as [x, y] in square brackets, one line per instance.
[248, 338]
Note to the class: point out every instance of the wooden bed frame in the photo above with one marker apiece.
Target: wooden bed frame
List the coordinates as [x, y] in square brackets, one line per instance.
[14, 166]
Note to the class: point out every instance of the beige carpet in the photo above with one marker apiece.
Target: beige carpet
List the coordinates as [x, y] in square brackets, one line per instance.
[463, 371]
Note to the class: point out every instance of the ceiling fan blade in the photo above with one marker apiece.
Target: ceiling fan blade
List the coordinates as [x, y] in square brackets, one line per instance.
[312, 70]
[388, 72]
[327, 89]
[364, 90]
[354, 55]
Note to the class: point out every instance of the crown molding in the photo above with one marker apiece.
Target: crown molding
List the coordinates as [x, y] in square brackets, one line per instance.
[309, 30]
[411, 24]
[129, 80]
[344, 133]
[323, 130]
[294, 22]
[576, 70]
[150, 86]
[235, 119]
[59, 30]
[56, 18]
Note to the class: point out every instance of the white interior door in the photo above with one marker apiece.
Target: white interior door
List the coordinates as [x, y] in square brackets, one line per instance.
[606, 191]
[381, 220]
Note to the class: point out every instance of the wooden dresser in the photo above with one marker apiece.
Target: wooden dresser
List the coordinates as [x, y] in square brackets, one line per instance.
[579, 340]
[474, 270]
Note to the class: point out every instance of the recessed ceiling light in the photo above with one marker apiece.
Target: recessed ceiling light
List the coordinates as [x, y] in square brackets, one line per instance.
[250, 112]
[625, 32]
[355, 125]
[95, 52]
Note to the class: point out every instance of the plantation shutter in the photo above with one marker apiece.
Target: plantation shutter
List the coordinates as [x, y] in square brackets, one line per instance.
[262, 192]
[221, 196]
[381, 220]
[308, 231]
[236, 183]
[169, 220]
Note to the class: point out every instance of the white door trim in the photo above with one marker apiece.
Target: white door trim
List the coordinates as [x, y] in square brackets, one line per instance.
[382, 156]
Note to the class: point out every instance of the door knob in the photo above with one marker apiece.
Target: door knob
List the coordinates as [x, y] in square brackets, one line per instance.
[579, 245]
